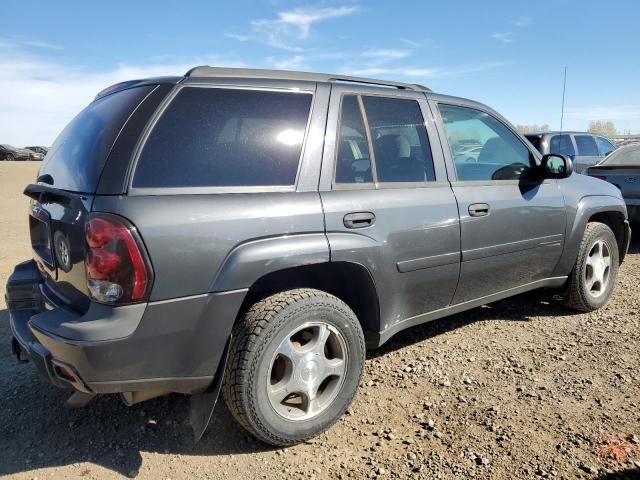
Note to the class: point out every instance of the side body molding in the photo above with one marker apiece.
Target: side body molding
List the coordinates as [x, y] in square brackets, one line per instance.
[251, 260]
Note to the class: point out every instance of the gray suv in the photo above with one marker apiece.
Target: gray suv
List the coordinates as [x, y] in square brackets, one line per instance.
[583, 149]
[255, 231]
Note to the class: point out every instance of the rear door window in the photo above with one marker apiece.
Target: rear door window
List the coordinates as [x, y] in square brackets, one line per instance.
[216, 137]
[586, 146]
[77, 157]
[399, 137]
[562, 145]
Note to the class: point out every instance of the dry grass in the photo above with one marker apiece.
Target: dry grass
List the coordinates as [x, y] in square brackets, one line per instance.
[616, 448]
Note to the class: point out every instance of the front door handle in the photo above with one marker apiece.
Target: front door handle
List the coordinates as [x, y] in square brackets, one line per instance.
[479, 209]
[359, 219]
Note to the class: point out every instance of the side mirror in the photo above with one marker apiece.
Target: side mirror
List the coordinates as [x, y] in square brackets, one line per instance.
[554, 165]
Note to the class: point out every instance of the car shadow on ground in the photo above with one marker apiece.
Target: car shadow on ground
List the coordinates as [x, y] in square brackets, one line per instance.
[630, 474]
[521, 308]
[37, 432]
[41, 433]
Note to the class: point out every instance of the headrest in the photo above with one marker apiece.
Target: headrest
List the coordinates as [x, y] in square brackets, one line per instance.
[394, 146]
[494, 150]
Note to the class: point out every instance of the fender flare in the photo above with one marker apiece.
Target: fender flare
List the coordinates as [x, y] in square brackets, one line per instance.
[249, 261]
[577, 219]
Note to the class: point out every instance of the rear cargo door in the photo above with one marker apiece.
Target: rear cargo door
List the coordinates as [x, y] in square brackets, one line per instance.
[63, 196]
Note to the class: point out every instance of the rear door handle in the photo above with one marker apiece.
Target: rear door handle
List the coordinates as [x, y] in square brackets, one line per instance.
[359, 219]
[479, 209]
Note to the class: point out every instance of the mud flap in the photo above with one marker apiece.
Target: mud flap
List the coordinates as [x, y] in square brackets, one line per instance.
[202, 404]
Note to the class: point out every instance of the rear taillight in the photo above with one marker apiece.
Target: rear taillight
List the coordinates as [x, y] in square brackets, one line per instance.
[118, 269]
[601, 177]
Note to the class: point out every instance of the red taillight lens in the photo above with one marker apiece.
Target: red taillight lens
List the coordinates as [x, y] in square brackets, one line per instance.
[118, 269]
[601, 177]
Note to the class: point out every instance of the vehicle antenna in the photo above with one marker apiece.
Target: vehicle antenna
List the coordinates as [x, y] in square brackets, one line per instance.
[564, 89]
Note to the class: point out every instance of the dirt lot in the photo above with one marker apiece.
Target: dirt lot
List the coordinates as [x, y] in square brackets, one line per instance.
[518, 389]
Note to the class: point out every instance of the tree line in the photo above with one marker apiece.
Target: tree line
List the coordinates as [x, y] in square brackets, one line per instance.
[605, 128]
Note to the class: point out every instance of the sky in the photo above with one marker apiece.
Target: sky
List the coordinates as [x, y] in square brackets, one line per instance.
[55, 56]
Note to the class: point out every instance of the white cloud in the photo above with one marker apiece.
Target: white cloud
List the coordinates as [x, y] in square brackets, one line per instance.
[291, 26]
[295, 62]
[17, 42]
[506, 37]
[522, 22]
[425, 72]
[387, 54]
[411, 43]
[38, 98]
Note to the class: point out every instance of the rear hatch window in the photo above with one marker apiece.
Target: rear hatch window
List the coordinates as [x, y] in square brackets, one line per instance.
[77, 157]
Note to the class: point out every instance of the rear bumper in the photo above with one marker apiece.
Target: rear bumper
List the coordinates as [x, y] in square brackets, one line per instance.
[160, 347]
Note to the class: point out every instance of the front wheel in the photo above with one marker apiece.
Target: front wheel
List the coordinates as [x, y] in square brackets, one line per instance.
[594, 274]
[10, 157]
[295, 364]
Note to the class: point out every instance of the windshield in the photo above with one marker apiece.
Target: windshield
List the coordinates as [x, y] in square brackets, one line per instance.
[76, 158]
[624, 156]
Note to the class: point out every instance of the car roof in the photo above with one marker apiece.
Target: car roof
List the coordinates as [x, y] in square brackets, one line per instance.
[222, 72]
[207, 72]
[562, 132]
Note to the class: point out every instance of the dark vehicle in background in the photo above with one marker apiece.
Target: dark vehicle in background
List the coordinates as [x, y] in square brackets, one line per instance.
[622, 168]
[9, 152]
[583, 148]
[256, 230]
[38, 149]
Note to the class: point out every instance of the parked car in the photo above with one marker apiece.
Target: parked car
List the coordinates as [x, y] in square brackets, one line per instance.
[256, 230]
[622, 168]
[35, 155]
[38, 149]
[584, 149]
[9, 152]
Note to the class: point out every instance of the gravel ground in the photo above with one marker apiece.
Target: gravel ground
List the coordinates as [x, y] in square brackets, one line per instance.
[518, 389]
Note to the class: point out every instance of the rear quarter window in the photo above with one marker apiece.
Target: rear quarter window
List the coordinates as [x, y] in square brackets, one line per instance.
[561, 144]
[586, 146]
[217, 137]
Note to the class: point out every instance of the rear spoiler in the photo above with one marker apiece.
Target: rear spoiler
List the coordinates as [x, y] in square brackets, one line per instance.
[37, 190]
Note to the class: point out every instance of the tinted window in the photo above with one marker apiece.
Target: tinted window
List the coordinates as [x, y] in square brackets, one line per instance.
[586, 146]
[483, 148]
[561, 144]
[352, 163]
[77, 157]
[212, 137]
[605, 146]
[536, 141]
[399, 138]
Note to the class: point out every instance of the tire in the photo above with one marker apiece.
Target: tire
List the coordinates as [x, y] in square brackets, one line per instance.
[289, 341]
[579, 293]
[9, 157]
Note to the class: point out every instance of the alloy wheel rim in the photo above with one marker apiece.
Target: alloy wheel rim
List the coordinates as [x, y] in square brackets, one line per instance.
[307, 371]
[598, 269]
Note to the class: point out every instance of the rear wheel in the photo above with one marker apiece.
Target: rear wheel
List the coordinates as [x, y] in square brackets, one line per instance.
[295, 363]
[594, 274]
[10, 157]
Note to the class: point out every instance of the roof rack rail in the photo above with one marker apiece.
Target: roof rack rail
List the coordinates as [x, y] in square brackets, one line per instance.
[206, 71]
